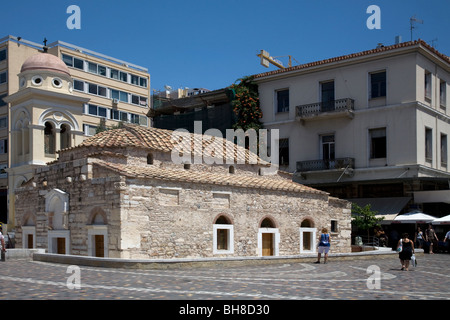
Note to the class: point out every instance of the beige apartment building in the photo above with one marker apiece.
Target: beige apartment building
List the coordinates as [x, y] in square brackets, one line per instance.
[54, 100]
[373, 126]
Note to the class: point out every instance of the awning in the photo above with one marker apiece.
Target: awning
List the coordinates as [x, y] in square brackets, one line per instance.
[414, 217]
[432, 196]
[443, 220]
[388, 208]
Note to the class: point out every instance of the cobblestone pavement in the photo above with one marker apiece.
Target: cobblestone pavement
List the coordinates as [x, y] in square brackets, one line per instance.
[341, 280]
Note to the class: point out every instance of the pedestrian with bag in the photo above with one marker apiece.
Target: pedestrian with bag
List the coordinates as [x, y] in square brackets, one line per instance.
[406, 250]
[324, 245]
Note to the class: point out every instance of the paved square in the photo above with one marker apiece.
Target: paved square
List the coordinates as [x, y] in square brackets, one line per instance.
[337, 280]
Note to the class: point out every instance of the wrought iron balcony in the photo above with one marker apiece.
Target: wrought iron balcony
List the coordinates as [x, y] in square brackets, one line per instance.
[344, 106]
[317, 165]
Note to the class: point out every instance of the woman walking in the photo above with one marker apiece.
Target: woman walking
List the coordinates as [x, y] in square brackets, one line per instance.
[407, 251]
[324, 245]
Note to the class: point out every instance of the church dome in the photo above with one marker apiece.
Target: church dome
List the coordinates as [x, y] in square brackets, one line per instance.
[46, 62]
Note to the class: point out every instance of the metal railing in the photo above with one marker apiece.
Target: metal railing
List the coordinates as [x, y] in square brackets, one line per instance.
[317, 108]
[328, 164]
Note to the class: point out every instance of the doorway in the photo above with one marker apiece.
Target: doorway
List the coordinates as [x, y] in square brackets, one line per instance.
[61, 245]
[268, 238]
[267, 244]
[99, 243]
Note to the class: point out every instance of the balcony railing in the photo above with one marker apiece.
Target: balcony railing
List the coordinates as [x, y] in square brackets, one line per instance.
[317, 165]
[315, 109]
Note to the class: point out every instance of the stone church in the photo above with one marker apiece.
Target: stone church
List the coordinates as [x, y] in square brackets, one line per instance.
[119, 194]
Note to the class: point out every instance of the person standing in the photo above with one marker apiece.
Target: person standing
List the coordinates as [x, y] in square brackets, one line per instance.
[419, 238]
[407, 251]
[2, 245]
[324, 245]
[431, 237]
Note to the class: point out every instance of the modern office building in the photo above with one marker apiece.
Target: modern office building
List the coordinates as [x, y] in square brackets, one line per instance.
[373, 126]
[52, 97]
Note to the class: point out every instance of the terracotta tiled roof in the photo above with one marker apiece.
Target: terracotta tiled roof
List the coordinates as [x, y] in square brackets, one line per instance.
[162, 140]
[417, 43]
[255, 182]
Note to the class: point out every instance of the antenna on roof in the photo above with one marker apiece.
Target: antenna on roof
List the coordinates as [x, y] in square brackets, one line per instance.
[412, 22]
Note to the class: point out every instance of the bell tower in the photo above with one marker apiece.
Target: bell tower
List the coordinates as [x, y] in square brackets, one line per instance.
[44, 116]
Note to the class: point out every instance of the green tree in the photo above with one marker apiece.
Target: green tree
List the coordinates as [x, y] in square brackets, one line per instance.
[246, 104]
[364, 218]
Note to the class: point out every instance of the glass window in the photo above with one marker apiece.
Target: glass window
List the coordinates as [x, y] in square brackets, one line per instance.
[443, 93]
[78, 85]
[378, 84]
[3, 122]
[114, 74]
[3, 77]
[134, 80]
[102, 112]
[143, 121]
[283, 145]
[2, 54]
[123, 96]
[114, 94]
[2, 102]
[3, 146]
[92, 110]
[92, 88]
[143, 82]
[102, 70]
[90, 130]
[102, 91]
[123, 76]
[378, 143]
[282, 100]
[68, 60]
[428, 85]
[134, 118]
[79, 64]
[428, 144]
[328, 147]
[92, 67]
[134, 99]
[443, 149]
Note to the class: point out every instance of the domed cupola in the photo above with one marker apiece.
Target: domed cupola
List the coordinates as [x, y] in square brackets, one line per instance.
[45, 71]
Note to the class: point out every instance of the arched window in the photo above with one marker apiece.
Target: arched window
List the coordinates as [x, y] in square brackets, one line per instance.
[65, 137]
[231, 169]
[49, 139]
[267, 223]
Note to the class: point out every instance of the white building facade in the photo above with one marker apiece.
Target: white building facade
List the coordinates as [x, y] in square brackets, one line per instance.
[374, 124]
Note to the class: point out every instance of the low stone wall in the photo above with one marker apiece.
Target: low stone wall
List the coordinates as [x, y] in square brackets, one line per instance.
[12, 254]
[151, 264]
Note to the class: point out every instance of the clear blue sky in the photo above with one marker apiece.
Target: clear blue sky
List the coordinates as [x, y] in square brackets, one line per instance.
[212, 43]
